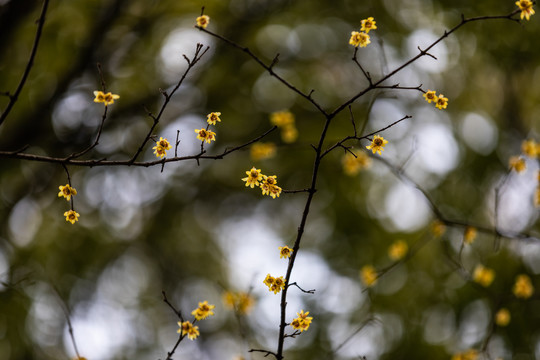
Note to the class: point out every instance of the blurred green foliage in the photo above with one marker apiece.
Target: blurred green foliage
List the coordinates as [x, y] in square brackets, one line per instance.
[194, 231]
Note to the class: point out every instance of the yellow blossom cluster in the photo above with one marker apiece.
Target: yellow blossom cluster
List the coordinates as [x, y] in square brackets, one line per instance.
[302, 322]
[261, 151]
[361, 38]
[483, 275]
[161, 147]
[398, 250]
[241, 302]
[440, 101]
[275, 284]
[284, 120]
[66, 191]
[502, 317]
[354, 161]
[523, 287]
[368, 274]
[268, 184]
[187, 328]
[106, 98]
[526, 7]
[529, 149]
[203, 311]
[377, 144]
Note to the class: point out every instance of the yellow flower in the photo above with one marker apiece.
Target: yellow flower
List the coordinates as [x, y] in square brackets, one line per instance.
[523, 287]
[467, 355]
[187, 328]
[529, 148]
[269, 186]
[202, 21]
[398, 250]
[203, 311]
[261, 151]
[253, 177]
[430, 96]
[282, 118]
[517, 164]
[269, 280]
[244, 303]
[205, 135]
[526, 8]
[164, 143]
[107, 98]
[502, 317]
[289, 134]
[213, 117]
[71, 216]
[274, 284]
[483, 275]
[438, 228]
[353, 163]
[377, 144]
[368, 274]
[161, 146]
[159, 151]
[302, 322]
[67, 191]
[285, 252]
[359, 39]
[441, 102]
[368, 24]
[470, 235]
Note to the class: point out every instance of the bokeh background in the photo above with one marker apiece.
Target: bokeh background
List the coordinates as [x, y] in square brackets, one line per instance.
[195, 231]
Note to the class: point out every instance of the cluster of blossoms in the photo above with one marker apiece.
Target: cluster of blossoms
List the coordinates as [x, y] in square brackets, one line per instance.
[361, 38]
[440, 101]
[161, 147]
[275, 284]
[355, 161]
[268, 184]
[284, 120]
[66, 191]
[377, 144]
[106, 98]
[483, 275]
[302, 322]
[261, 151]
[186, 328]
[529, 149]
[398, 250]
[368, 275]
[205, 134]
[526, 8]
[241, 302]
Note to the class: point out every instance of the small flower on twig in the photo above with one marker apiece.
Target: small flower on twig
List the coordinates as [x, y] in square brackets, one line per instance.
[430, 96]
[285, 252]
[213, 117]
[71, 216]
[205, 135]
[274, 284]
[107, 98]
[359, 39]
[67, 191]
[526, 7]
[161, 146]
[368, 24]
[187, 328]
[398, 250]
[377, 144]
[441, 102]
[368, 274]
[302, 322]
[203, 21]
[203, 311]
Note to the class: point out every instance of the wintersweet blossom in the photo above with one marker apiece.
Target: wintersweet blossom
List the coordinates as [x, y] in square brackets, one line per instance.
[368, 24]
[530, 148]
[517, 164]
[205, 135]
[269, 186]
[253, 177]
[107, 98]
[187, 328]
[282, 118]
[523, 287]
[368, 274]
[261, 151]
[502, 317]
[430, 96]
[289, 134]
[161, 147]
[377, 144]
[355, 161]
[274, 284]
[483, 275]
[470, 235]
[526, 8]
[438, 228]
[66, 191]
[71, 216]
[203, 311]
[302, 322]
[398, 250]
[441, 102]
[203, 21]
[359, 39]
[241, 302]
[213, 117]
[285, 252]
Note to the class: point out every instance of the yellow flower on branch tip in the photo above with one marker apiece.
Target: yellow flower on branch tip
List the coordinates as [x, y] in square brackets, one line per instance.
[438, 228]
[302, 322]
[441, 102]
[368, 274]
[517, 164]
[359, 39]
[502, 317]
[107, 98]
[282, 118]
[368, 24]
[71, 216]
[203, 20]
[213, 117]
[398, 250]
[354, 162]
[203, 311]
[470, 235]
[269, 280]
[526, 8]
[483, 275]
[253, 177]
[523, 287]
[261, 151]
[430, 96]
[164, 143]
[269, 186]
[285, 252]
[67, 191]
[467, 355]
[274, 284]
[187, 328]
[205, 135]
[377, 144]
[529, 148]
